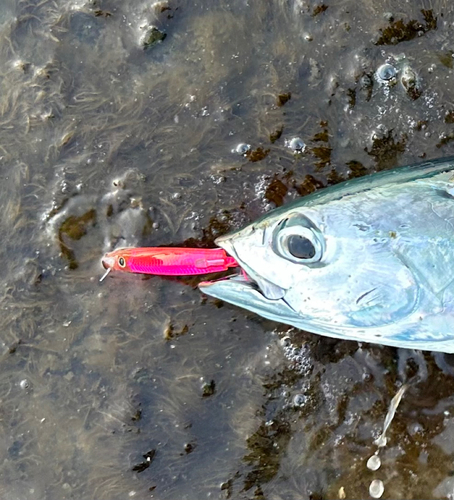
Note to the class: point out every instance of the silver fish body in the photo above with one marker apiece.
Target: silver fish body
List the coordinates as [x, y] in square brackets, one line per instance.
[370, 260]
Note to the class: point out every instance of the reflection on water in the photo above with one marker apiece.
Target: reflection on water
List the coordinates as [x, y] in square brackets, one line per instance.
[138, 123]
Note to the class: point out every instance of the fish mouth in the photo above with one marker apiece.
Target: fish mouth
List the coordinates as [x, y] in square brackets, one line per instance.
[233, 288]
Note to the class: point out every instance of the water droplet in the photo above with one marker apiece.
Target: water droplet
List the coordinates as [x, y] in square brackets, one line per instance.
[296, 144]
[242, 149]
[387, 74]
[376, 488]
[374, 462]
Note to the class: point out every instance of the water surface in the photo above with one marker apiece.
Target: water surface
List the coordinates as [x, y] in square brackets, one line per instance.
[119, 121]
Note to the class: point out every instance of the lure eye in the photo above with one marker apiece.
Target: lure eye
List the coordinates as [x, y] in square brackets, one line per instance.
[121, 262]
[299, 241]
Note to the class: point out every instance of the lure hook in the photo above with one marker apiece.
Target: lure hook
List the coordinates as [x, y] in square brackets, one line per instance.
[105, 274]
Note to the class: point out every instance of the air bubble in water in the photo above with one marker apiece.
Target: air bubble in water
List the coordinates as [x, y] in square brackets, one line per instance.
[387, 74]
[24, 384]
[296, 144]
[374, 462]
[242, 149]
[299, 400]
[376, 488]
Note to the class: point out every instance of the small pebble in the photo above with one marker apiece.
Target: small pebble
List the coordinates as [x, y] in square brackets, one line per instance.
[376, 488]
[208, 389]
[188, 447]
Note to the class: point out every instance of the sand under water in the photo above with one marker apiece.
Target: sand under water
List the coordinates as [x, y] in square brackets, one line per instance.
[120, 124]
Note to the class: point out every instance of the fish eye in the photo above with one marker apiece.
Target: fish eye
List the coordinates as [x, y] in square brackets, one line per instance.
[300, 247]
[299, 241]
[121, 262]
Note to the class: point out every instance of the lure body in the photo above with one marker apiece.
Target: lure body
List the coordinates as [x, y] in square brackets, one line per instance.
[168, 261]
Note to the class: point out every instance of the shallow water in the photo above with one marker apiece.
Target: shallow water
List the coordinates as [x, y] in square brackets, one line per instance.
[143, 388]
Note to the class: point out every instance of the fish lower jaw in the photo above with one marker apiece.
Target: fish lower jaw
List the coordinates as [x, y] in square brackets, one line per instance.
[240, 277]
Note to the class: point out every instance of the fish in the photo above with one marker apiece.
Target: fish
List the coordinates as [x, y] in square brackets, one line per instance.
[369, 260]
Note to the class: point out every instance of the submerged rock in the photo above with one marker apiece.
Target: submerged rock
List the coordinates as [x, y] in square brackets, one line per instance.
[152, 37]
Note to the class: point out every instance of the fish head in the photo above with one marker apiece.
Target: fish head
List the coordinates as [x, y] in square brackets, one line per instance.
[319, 267]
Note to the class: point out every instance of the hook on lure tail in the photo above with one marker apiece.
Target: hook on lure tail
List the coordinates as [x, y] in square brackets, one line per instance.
[167, 261]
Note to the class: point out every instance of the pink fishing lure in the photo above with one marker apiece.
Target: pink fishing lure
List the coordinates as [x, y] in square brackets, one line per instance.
[168, 261]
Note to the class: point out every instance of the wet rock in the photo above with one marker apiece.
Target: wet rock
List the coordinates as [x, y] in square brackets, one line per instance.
[274, 136]
[208, 389]
[319, 9]
[140, 467]
[170, 332]
[189, 448]
[410, 83]
[283, 98]
[152, 37]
